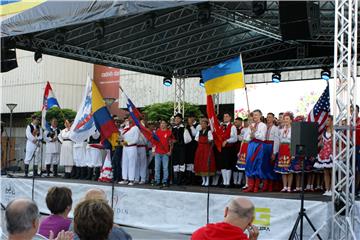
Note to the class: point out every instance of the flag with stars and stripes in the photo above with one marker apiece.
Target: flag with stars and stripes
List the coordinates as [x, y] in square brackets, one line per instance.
[320, 112]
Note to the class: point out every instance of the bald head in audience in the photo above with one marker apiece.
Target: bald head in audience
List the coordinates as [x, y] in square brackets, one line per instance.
[95, 193]
[240, 212]
[22, 219]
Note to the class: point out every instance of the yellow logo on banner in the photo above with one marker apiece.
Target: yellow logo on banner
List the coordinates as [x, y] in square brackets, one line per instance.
[262, 217]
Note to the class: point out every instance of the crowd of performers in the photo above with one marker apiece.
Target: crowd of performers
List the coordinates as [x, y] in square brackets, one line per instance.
[255, 154]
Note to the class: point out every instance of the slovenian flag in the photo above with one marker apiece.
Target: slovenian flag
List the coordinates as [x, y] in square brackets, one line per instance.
[102, 118]
[49, 101]
[225, 76]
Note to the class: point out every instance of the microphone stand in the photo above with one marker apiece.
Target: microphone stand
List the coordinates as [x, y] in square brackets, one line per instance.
[208, 186]
[33, 176]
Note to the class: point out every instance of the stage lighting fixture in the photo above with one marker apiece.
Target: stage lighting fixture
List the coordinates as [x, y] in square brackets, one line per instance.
[99, 31]
[276, 77]
[8, 55]
[204, 13]
[259, 7]
[60, 38]
[201, 82]
[38, 56]
[325, 74]
[167, 81]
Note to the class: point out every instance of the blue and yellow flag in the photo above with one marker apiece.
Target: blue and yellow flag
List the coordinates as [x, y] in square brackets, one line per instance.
[225, 76]
[8, 7]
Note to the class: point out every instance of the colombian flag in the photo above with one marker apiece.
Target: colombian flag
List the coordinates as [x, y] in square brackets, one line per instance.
[102, 118]
[226, 76]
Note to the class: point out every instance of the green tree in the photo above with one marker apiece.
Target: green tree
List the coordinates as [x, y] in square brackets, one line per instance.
[59, 114]
[158, 111]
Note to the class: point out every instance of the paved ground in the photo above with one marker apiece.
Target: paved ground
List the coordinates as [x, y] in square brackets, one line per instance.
[137, 234]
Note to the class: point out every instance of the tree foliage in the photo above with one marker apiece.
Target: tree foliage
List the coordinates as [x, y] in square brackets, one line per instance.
[59, 114]
[164, 111]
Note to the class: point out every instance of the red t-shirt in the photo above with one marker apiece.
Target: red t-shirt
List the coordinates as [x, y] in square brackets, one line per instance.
[219, 231]
[165, 137]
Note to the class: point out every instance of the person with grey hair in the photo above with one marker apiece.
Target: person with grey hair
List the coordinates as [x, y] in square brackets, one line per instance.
[238, 217]
[22, 221]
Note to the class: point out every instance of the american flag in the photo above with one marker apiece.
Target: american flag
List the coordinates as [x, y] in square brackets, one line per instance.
[320, 112]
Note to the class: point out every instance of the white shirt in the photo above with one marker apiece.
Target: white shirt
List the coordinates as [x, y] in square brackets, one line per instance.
[245, 134]
[29, 134]
[142, 139]
[52, 146]
[194, 131]
[285, 135]
[131, 136]
[210, 136]
[260, 132]
[64, 134]
[272, 134]
[233, 134]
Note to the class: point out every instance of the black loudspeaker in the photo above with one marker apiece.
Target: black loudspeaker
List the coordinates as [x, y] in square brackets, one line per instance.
[299, 20]
[8, 55]
[304, 134]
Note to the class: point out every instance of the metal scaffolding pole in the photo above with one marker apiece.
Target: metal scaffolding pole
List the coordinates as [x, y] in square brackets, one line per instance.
[179, 102]
[345, 72]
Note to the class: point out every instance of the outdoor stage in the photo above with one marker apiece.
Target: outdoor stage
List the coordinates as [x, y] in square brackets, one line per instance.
[182, 209]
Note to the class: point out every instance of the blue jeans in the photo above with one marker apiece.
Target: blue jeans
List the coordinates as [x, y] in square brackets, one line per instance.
[164, 160]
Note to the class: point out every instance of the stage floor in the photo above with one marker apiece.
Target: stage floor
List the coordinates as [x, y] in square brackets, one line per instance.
[311, 196]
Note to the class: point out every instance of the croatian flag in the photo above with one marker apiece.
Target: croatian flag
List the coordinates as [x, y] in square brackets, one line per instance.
[49, 101]
[84, 126]
[320, 112]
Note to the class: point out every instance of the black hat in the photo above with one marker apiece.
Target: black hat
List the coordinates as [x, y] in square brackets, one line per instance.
[178, 115]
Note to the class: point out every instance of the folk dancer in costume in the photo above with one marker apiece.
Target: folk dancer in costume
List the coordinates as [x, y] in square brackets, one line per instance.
[80, 161]
[237, 175]
[191, 129]
[325, 157]
[162, 153]
[178, 150]
[228, 154]
[66, 153]
[204, 166]
[32, 152]
[116, 158]
[280, 122]
[130, 139]
[241, 160]
[255, 152]
[283, 163]
[271, 147]
[94, 158]
[142, 163]
[52, 147]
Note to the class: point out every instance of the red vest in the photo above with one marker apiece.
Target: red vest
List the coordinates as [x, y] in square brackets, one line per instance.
[227, 132]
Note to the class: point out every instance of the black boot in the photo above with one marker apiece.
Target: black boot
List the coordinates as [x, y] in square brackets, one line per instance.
[77, 172]
[97, 173]
[188, 176]
[66, 175]
[26, 170]
[55, 169]
[73, 172]
[35, 170]
[90, 173]
[83, 173]
[48, 166]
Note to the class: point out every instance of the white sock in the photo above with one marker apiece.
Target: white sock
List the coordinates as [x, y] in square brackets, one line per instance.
[224, 176]
[241, 174]
[206, 181]
[235, 177]
[203, 181]
[228, 177]
[215, 179]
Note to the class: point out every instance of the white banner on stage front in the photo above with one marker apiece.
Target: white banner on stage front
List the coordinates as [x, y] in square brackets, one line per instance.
[177, 211]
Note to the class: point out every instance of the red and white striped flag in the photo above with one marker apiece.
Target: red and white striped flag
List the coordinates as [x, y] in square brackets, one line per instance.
[320, 112]
[214, 123]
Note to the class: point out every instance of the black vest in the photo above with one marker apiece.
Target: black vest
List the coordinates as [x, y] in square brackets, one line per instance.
[52, 133]
[32, 129]
[178, 133]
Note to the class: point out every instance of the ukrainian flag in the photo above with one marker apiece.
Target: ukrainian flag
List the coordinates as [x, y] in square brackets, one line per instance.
[226, 76]
[8, 7]
[102, 118]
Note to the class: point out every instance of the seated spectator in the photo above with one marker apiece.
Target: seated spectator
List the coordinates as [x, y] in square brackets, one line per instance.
[59, 202]
[116, 232]
[22, 222]
[239, 215]
[93, 219]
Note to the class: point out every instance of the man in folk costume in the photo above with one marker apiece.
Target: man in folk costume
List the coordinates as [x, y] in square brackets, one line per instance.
[141, 163]
[255, 152]
[271, 147]
[34, 137]
[52, 147]
[94, 158]
[178, 153]
[236, 172]
[228, 154]
[190, 147]
[80, 161]
[130, 139]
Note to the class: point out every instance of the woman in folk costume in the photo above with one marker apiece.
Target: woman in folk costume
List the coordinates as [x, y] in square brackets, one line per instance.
[255, 152]
[237, 174]
[271, 147]
[204, 153]
[245, 138]
[66, 152]
[283, 163]
[325, 156]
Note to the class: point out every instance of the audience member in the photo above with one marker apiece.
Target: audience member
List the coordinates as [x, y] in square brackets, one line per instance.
[59, 202]
[239, 215]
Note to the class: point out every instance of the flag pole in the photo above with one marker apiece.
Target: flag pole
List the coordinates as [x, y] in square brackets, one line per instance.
[246, 92]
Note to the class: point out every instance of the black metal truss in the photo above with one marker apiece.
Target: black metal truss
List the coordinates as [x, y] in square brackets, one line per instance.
[91, 56]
